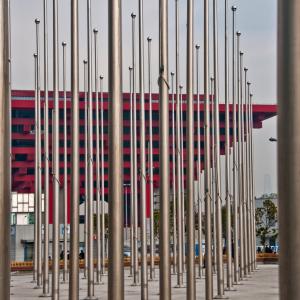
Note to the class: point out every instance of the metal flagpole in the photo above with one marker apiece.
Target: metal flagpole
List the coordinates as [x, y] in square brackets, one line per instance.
[152, 244]
[46, 157]
[131, 173]
[35, 251]
[182, 178]
[55, 147]
[207, 199]
[249, 235]
[240, 185]
[90, 181]
[143, 176]
[39, 161]
[243, 167]
[191, 288]
[103, 256]
[244, 153]
[65, 257]
[135, 208]
[75, 180]
[98, 278]
[219, 239]
[199, 165]
[126, 211]
[5, 172]
[164, 230]
[85, 171]
[174, 248]
[252, 182]
[115, 253]
[213, 175]
[178, 159]
[234, 169]
[227, 159]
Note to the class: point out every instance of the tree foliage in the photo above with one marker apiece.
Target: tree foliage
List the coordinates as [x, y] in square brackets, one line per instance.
[266, 219]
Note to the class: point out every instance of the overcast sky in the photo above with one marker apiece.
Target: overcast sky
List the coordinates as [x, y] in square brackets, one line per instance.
[256, 19]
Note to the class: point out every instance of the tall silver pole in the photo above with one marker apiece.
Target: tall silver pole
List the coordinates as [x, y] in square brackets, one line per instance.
[135, 206]
[85, 170]
[191, 288]
[152, 245]
[174, 250]
[227, 159]
[178, 159]
[219, 239]
[102, 181]
[143, 175]
[131, 175]
[207, 199]
[99, 277]
[90, 181]
[199, 164]
[35, 250]
[126, 211]
[218, 242]
[65, 270]
[164, 230]
[249, 206]
[234, 164]
[243, 166]
[5, 172]
[240, 185]
[75, 181]
[245, 178]
[55, 147]
[46, 157]
[213, 175]
[182, 178]
[115, 253]
[252, 182]
[39, 161]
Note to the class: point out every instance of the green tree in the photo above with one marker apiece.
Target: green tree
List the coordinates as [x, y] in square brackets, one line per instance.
[266, 219]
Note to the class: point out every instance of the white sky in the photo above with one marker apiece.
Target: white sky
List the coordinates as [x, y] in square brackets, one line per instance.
[256, 19]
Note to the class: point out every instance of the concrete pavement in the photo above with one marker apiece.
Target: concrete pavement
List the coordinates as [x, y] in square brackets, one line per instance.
[262, 285]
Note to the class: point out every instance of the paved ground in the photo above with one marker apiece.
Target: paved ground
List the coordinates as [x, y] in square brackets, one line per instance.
[262, 285]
